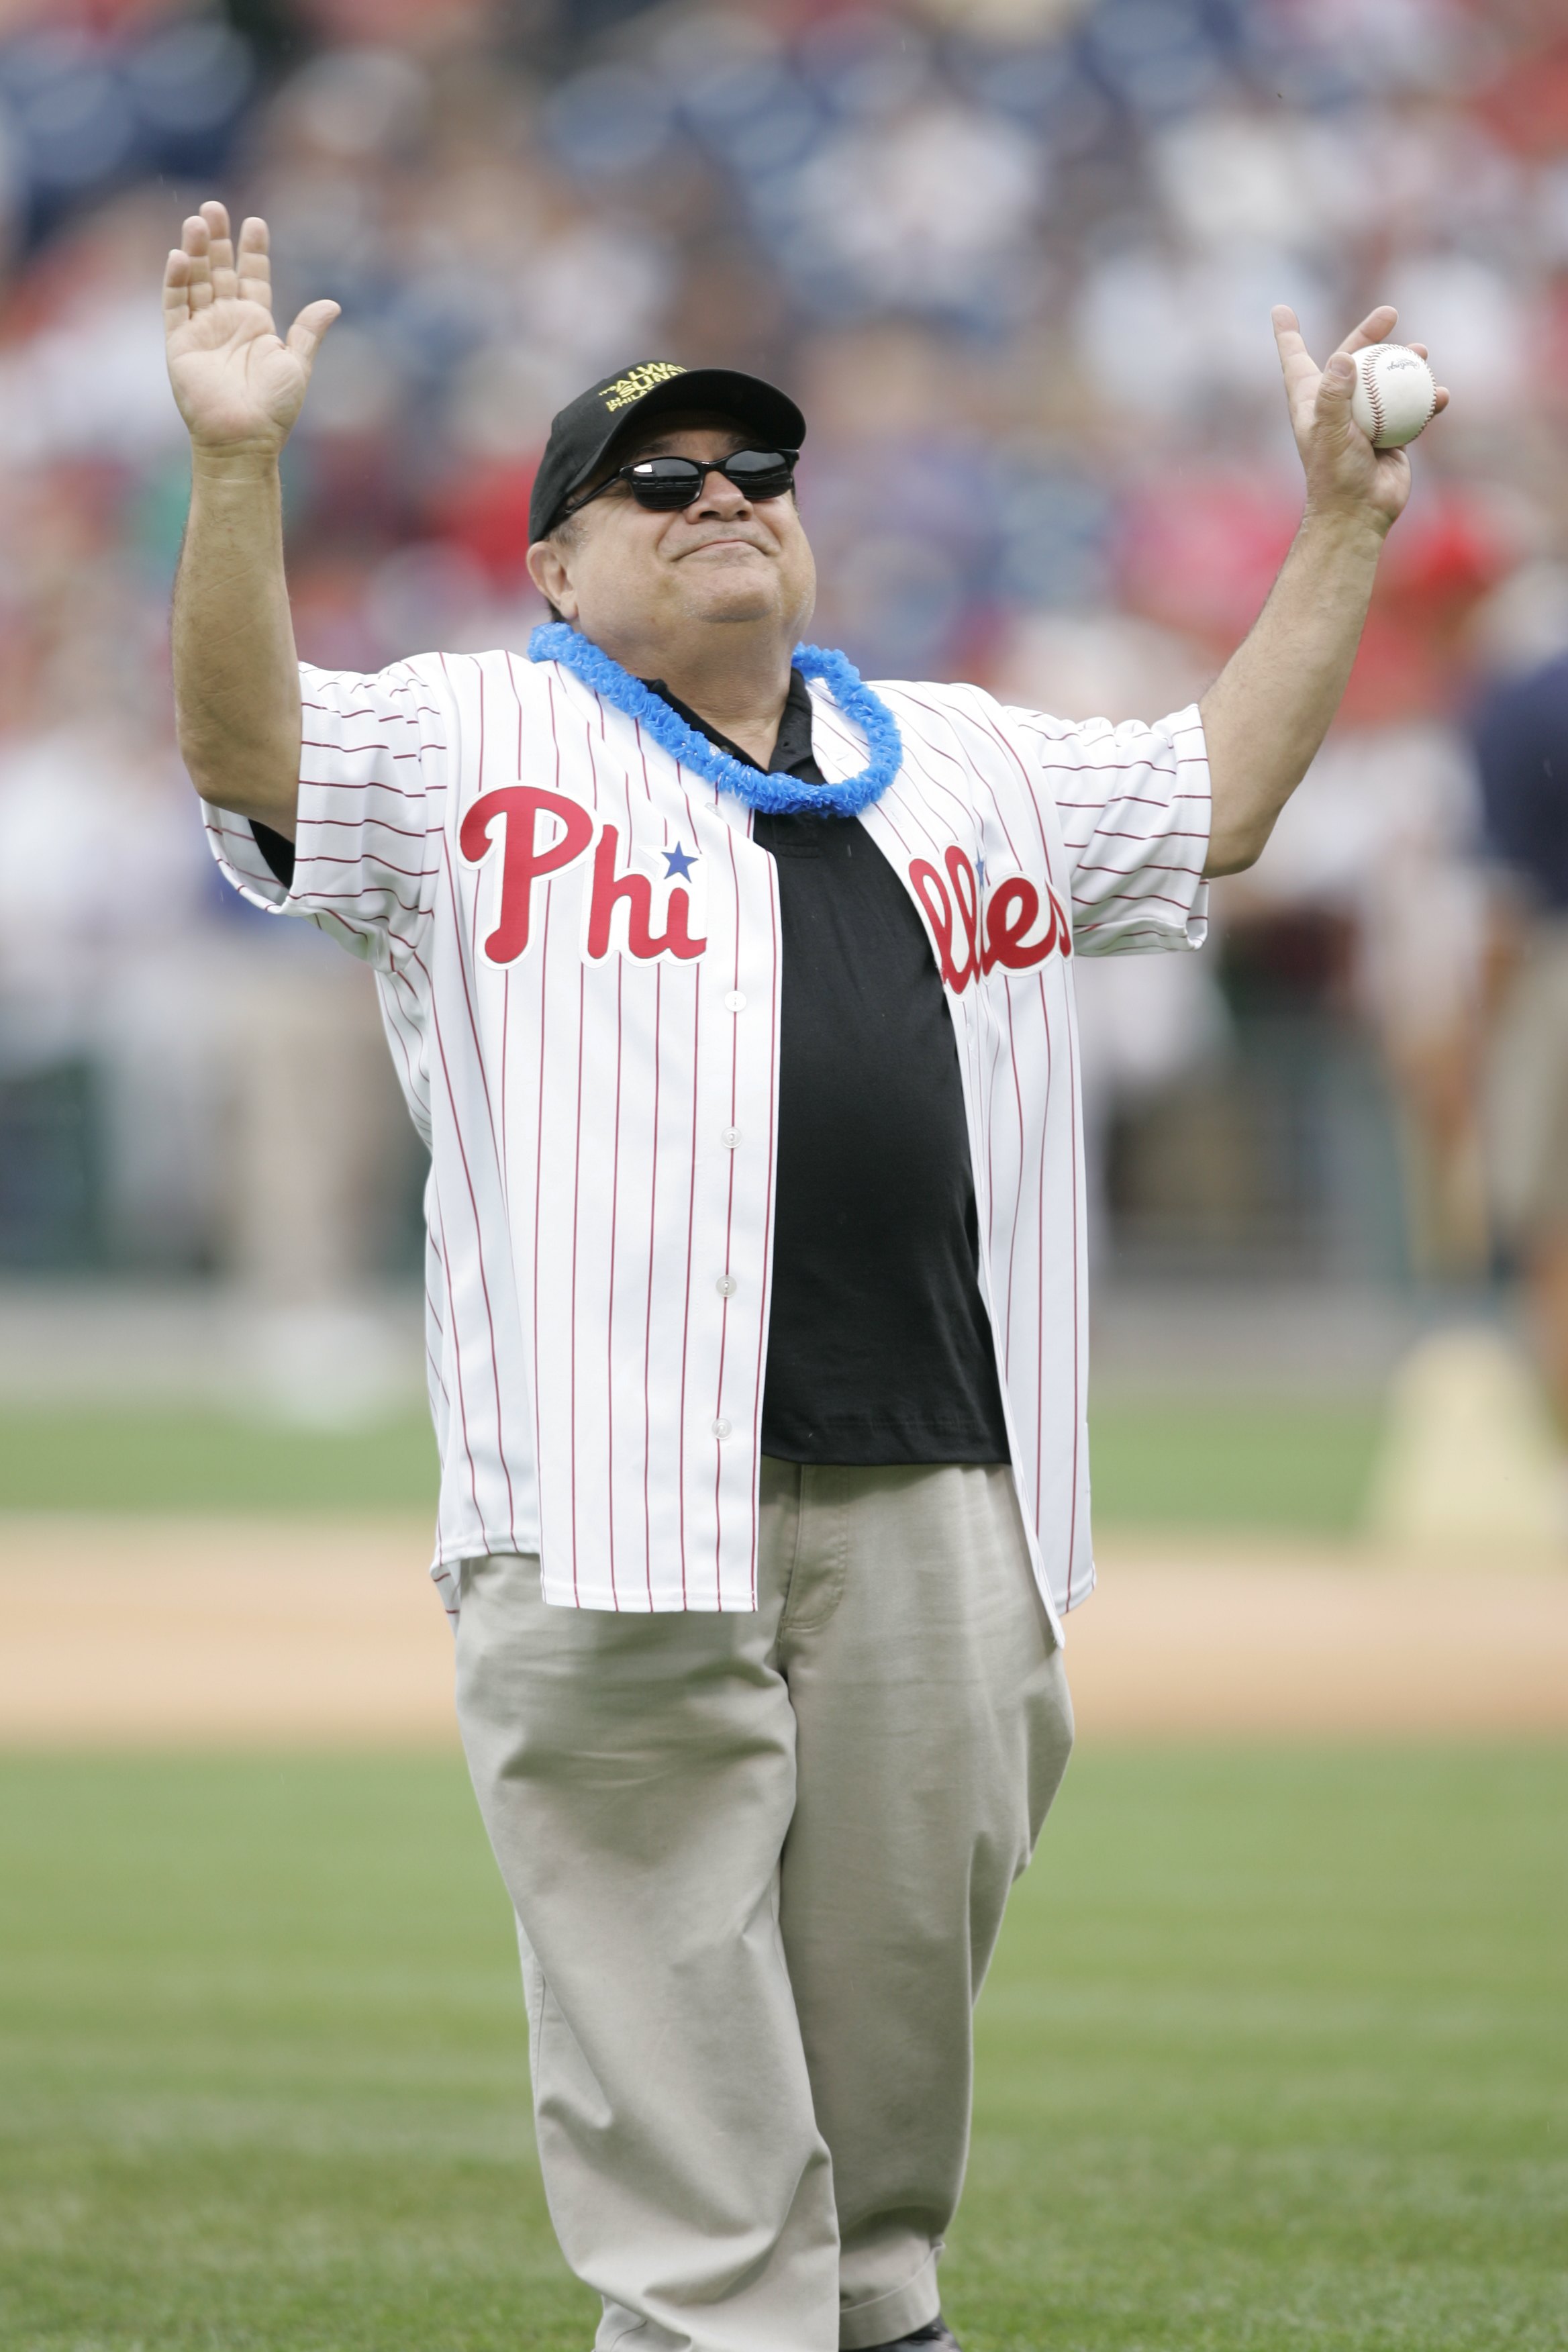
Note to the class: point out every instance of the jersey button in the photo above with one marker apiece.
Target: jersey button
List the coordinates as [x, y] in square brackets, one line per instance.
[729, 1136]
[736, 1001]
[725, 1285]
[721, 1429]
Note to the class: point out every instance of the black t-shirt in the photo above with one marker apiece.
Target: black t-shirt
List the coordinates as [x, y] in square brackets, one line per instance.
[880, 1347]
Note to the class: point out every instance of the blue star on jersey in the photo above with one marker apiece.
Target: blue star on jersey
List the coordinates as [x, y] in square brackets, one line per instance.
[679, 861]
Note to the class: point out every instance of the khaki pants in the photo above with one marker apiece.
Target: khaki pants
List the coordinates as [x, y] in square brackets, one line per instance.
[759, 1864]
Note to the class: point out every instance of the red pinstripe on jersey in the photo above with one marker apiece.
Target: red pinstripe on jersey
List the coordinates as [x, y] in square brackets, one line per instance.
[585, 1202]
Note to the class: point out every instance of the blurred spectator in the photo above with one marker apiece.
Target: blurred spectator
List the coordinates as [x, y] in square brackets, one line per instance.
[1384, 836]
[1522, 747]
[1017, 257]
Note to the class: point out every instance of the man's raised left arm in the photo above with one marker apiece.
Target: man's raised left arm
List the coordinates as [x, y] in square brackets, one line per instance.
[1269, 710]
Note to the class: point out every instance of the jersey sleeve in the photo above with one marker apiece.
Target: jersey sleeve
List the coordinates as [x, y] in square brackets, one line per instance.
[376, 753]
[1134, 803]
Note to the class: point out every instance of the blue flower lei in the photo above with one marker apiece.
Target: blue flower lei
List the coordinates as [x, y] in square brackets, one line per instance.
[774, 795]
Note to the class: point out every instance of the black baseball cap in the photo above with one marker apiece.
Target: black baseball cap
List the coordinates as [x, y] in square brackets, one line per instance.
[586, 427]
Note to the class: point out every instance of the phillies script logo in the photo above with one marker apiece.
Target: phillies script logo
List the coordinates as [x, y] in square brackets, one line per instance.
[544, 833]
[1003, 937]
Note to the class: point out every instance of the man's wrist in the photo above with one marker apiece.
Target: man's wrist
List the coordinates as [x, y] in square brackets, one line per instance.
[1346, 530]
[238, 462]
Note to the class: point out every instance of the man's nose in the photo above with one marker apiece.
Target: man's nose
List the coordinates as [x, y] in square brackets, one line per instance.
[718, 496]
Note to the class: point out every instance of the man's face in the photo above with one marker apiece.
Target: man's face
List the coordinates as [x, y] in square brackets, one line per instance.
[624, 574]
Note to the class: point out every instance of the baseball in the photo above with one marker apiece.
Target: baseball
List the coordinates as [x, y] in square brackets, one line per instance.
[1394, 394]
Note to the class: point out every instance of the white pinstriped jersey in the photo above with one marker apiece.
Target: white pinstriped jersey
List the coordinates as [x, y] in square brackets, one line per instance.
[576, 946]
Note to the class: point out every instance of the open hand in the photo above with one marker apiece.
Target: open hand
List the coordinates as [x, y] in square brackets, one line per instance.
[237, 382]
[1344, 473]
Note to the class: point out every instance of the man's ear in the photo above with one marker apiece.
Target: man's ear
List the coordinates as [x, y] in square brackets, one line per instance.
[547, 569]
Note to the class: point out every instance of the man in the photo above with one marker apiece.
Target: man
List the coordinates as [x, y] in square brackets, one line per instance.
[735, 1002]
[1520, 737]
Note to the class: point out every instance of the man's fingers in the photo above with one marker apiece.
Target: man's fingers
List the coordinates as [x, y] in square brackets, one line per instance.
[214, 218]
[1333, 421]
[1375, 328]
[255, 250]
[176, 287]
[196, 244]
[304, 336]
[1337, 384]
[1295, 360]
[1296, 365]
[1288, 332]
[253, 263]
[221, 266]
[1441, 402]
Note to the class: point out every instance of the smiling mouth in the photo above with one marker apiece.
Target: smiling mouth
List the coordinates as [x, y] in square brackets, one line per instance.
[704, 544]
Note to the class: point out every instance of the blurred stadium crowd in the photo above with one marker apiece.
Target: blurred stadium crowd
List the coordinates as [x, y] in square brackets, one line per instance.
[1017, 258]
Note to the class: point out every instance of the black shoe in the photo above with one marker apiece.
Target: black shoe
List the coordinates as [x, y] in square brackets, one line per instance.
[938, 2334]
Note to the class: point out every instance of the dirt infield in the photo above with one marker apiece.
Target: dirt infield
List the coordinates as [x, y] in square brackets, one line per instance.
[143, 1632]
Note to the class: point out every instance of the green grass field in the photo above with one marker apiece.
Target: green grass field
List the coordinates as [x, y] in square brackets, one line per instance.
[1278, 1464]
[1276, 2055]
[102, 1459]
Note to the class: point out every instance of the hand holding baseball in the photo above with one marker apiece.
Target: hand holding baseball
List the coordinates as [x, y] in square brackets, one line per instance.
[238, 383]
[1346, 475]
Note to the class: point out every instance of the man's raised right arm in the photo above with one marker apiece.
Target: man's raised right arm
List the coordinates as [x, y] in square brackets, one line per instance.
[239, 388]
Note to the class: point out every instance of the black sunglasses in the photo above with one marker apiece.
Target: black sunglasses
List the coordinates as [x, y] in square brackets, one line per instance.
[667, 483]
